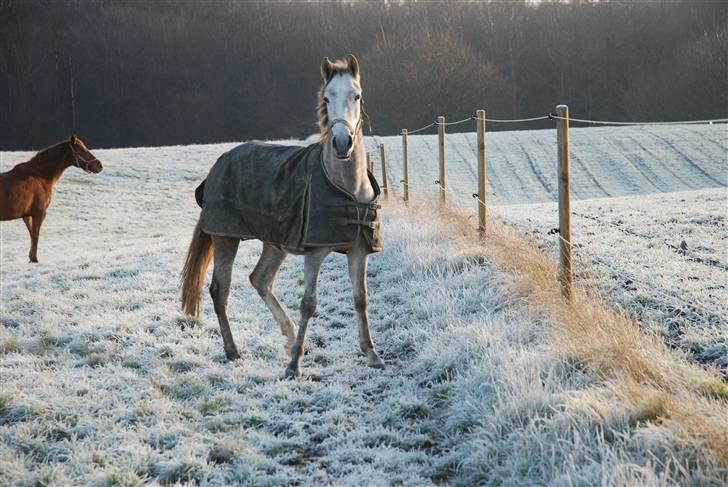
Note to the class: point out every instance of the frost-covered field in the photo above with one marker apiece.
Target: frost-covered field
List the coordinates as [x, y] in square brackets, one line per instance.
[105, 382]
[663, 257]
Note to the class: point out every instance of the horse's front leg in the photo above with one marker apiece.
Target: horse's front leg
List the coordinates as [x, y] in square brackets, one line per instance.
[311, 265]
[225, 251]
[358, 259]
[35, 222]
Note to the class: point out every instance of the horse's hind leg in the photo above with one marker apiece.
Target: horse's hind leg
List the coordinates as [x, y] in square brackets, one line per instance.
[311, 265]
[263, 279]
[225, 250]
[358, 259]
[28, 220]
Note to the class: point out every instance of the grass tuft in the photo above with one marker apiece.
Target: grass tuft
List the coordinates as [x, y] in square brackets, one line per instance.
[221, 454]
[16, 413]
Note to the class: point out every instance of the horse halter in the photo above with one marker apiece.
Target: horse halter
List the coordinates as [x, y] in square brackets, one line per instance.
[355, 129]
[77, 157]
[352, 130]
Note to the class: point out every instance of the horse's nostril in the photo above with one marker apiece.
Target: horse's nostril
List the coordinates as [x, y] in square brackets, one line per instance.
[342, 145]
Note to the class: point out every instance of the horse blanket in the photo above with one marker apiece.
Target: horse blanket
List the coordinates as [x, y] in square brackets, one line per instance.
[282, 195]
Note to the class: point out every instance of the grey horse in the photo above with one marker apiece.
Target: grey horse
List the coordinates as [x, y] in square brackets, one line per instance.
[310, 201]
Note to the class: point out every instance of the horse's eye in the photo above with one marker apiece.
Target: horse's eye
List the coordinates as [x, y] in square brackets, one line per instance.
[357, 97]
[326, 100]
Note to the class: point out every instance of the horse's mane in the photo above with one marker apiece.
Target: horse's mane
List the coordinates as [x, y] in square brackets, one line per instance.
[42, 156]
[341, 66]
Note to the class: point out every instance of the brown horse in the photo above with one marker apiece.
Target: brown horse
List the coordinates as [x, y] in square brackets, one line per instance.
[25, 190]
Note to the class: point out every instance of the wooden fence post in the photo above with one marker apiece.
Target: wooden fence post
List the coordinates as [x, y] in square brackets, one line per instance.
[370, 164]
[385, 186]
[562, 138]
[482, 175]
[405, 167]
[441, 145]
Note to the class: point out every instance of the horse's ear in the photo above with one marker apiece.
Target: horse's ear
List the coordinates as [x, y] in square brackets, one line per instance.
[353, 65]
[72, 139]
[327, 69]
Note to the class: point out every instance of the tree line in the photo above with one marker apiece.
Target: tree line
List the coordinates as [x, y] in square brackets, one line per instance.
[123, 74]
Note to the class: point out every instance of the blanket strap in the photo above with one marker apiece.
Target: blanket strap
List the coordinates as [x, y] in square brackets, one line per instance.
[366, 206]
[371, 206]
[372, 225]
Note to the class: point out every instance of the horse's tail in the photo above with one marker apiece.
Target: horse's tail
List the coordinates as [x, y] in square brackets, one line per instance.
[193, 273]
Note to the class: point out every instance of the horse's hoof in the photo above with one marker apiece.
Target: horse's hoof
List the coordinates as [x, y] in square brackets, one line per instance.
[33, 261]
[374, 361]
[233, 355]
[292, 373]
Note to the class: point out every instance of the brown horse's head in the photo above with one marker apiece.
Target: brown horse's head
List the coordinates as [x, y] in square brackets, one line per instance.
[82, 157]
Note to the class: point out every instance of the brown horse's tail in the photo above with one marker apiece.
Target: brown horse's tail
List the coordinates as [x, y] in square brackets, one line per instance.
[193, 273]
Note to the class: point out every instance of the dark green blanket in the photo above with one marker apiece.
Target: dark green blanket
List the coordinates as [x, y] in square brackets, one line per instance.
[282, 195]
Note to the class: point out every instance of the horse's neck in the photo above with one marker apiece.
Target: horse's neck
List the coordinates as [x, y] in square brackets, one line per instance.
[350, 174]
[51, 164]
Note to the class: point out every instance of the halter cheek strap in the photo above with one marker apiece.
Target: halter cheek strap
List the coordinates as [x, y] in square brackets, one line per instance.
[77, 157]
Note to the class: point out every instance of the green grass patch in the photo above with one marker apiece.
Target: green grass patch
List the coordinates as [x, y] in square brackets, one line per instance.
[209, 407]
[98, 359]
[183, 389]
[163, 442]
[17, 413]
[132, 363]
[9, 345]
[414, 410]
[121, 478]
[181, 366]
[168, 473]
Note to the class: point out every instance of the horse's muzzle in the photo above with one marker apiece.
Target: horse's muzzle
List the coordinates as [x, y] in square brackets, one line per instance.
[95, 167]
[343, 145]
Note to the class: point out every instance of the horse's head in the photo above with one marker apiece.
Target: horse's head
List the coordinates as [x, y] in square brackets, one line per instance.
[82, 157]
[340, 104]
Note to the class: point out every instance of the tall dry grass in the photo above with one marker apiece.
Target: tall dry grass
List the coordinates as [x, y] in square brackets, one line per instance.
[652, 382]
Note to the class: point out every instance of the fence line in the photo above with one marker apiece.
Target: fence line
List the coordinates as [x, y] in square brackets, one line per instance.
[421, 128]
[454, 123]
[606, 122]
[562, 119]
[514, 120]
[554, 116]
[577, 256]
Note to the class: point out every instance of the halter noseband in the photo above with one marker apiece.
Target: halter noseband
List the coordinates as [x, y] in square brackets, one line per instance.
[352, 130]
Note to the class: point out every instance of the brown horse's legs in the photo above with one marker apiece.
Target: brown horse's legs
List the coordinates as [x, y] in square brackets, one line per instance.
[37, 221]
[263, 280]
[28, 220]
[225, 250]
[312, 261]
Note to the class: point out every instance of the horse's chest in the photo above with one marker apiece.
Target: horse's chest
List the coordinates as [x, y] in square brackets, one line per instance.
[23, 196]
